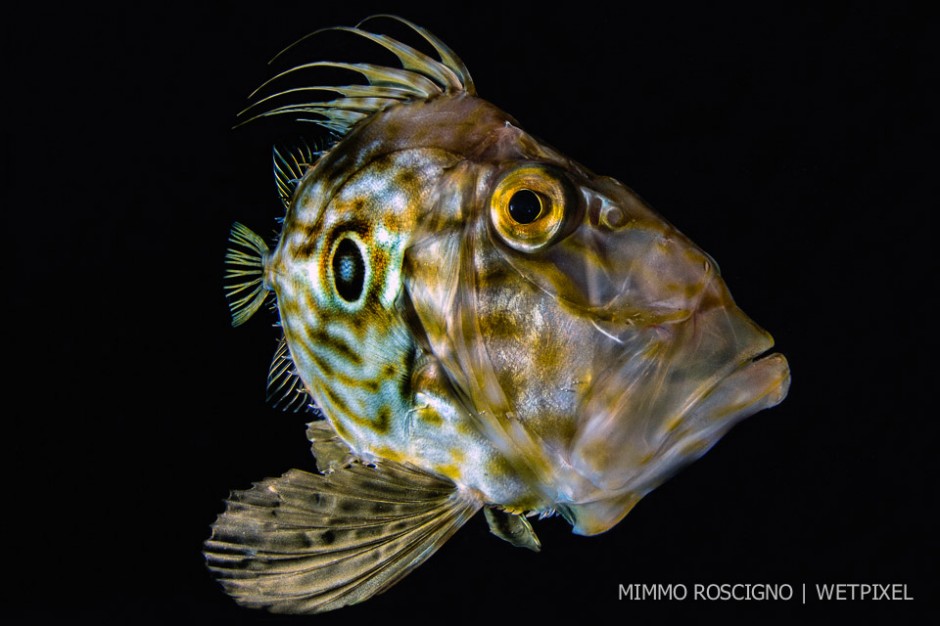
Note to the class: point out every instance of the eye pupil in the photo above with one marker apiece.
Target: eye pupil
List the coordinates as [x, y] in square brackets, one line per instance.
[525, 206]
[348, 270]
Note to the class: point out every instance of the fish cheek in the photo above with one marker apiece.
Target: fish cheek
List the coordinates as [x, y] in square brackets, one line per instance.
[536, 351]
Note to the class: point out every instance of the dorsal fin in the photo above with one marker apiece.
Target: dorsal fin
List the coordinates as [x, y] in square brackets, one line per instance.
[420, 77]
[290, 165]
[285, 389]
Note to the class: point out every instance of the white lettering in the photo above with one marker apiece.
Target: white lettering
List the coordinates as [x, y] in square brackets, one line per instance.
[742, 592]
[824, 592]
[862, 591]
[760, 592]
[656, 591]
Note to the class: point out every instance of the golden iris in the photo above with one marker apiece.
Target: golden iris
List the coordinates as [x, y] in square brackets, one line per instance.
[528, 207]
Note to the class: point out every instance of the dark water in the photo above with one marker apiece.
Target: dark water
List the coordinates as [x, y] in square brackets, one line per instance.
[791, 144]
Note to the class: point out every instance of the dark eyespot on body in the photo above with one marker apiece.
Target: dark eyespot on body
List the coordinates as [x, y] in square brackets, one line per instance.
[525, 206]
[349, 270]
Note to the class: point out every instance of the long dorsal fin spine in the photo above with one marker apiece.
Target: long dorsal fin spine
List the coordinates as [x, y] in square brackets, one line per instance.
[420, 77]
[448, 57]
[411, 59]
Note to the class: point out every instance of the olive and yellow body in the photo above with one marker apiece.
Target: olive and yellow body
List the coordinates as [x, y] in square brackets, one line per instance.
[483, 323]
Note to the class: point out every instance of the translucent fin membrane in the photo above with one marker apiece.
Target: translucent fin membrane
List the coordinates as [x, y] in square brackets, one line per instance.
[306, 543]
[245, 290]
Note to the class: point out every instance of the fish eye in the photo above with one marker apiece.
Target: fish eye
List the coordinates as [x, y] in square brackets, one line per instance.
[529, 205]
[348, 267]
[525, 206]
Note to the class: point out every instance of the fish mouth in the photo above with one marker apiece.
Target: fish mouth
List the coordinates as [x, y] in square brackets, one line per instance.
[644, 421]
[757, 384]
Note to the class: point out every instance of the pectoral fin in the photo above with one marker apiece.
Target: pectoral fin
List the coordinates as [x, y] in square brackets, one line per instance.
[305, 543]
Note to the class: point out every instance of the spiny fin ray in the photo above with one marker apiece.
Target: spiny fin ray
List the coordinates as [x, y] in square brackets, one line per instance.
[285, 388]
[354, 91]
[420, 77]
[448, 57]
[289, 167]
[413, 60]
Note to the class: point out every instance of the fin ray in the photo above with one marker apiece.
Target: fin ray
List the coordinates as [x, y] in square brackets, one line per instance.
[306, 543]
[412, 60]
[416, 84]
[286, 390]
[448, 56]
[513, 528]
[329, 451]
[419, 77]
[245, 291]
[290, 167]
[349, 91]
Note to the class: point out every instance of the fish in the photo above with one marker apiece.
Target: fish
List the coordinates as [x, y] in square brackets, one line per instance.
[475, 321]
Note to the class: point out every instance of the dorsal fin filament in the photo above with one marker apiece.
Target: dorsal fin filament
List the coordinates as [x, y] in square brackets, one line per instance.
[419, 77]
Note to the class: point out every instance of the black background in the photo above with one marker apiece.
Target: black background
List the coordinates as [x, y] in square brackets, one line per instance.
[789, 142]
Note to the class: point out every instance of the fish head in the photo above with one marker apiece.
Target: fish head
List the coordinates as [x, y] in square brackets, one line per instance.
[581, 330]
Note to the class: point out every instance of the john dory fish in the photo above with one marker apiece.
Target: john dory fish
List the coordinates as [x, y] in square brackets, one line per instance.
[481, 322]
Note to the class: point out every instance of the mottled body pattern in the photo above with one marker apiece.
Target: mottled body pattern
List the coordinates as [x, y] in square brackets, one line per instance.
[483, 323]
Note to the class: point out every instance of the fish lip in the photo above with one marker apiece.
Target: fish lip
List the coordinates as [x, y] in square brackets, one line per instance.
[763, 358]
[760, 380]
[757, 382]
[636, 427]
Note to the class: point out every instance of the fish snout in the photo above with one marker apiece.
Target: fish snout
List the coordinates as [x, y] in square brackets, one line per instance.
[645, 265]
